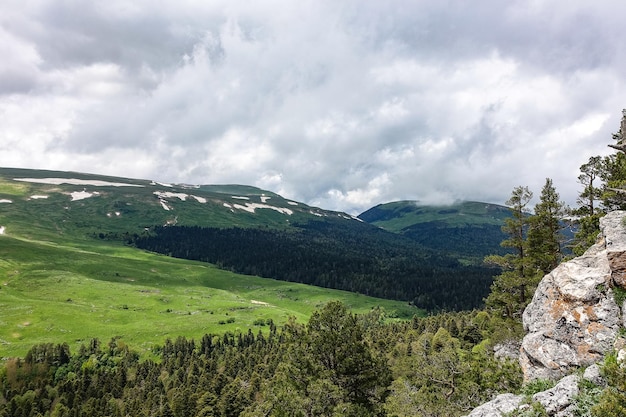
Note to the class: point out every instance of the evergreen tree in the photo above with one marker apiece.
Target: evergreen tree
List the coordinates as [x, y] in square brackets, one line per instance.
[614, 171]
[614, 177]
[544, 234]
[589, 197]
[511, 290]
[603, 180]
[589, 208]
[329, 370]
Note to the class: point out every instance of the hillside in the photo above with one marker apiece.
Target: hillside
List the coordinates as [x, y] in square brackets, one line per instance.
[241, 229]
[59, 282]
[467, 230]
[196, 337]
[78, 205]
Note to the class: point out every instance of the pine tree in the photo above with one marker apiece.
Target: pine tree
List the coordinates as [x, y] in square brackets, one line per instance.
[614, 171]
[329, 369]
[589, 202]
[604, 182]
[544, 234]
[589, 197]
[511, 290]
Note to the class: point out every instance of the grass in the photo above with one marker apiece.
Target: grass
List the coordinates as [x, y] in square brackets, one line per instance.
[403, 214]
[11, 188]
[51, 292]
[60, 284]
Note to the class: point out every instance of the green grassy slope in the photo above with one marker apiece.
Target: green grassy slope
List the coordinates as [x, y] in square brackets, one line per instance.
[50, 292]
[59, 284]
[398, 216]
[33, 201]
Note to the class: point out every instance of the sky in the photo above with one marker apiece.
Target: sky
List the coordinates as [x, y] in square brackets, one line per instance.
[340, 104]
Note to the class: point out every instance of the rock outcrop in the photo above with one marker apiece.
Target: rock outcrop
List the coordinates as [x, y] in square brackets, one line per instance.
[573, 319]
[558, 401]
[501, 405]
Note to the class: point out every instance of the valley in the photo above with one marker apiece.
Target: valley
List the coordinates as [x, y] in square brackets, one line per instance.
[59, 282]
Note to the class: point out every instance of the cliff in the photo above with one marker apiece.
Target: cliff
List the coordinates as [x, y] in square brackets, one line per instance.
[572, 321]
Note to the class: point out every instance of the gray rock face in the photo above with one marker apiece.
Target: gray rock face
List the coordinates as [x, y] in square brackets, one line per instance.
[507, 350]
[592, 374]
[499, 406]
[613, 233]
[558, 400]
[573, 319]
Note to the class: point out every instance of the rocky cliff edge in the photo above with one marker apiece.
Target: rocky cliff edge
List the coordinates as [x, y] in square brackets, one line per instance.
[572, 321]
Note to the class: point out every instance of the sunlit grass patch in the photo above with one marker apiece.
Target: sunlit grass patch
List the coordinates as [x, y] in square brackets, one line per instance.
[52, 293]
[13, 188]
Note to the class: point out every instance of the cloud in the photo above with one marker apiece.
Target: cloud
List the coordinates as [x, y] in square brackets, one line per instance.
[343, 105]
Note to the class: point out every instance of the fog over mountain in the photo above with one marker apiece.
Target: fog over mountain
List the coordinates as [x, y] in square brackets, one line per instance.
[342, 105]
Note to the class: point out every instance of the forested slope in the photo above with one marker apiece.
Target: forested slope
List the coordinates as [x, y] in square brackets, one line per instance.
[337, 364]
[467, 231]
[350, 256]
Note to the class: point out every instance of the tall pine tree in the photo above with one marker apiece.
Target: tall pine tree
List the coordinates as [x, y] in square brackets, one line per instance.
[614, 175]
[511, 290]
[604, 182]
[589, 202]
[544, 234]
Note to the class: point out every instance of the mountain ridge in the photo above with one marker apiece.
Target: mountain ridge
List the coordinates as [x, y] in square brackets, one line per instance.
[163, 203]
[467, 230]
[259, 233]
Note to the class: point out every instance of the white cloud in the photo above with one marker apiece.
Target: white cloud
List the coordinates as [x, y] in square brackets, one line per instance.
[339, 104]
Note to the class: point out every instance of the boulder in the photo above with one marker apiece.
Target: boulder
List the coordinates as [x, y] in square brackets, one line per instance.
[499, 406]
[593, 375]
[558, 400]
[573, 318]
[507, 350]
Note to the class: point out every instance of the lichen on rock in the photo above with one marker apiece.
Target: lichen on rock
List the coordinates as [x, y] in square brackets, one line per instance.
[573, 319]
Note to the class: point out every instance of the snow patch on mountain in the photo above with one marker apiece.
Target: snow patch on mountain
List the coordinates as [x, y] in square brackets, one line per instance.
[236, 197]
[162, 195]
[74, 181]
[6, 201]
[38, 197]
[251, 207]
[81, 195]
[167, 194]
[163, 184]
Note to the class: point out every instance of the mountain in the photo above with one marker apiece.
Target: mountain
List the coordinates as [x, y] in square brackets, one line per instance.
[66, 274]
[78, 203]
[239, 228]
[467, 230]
